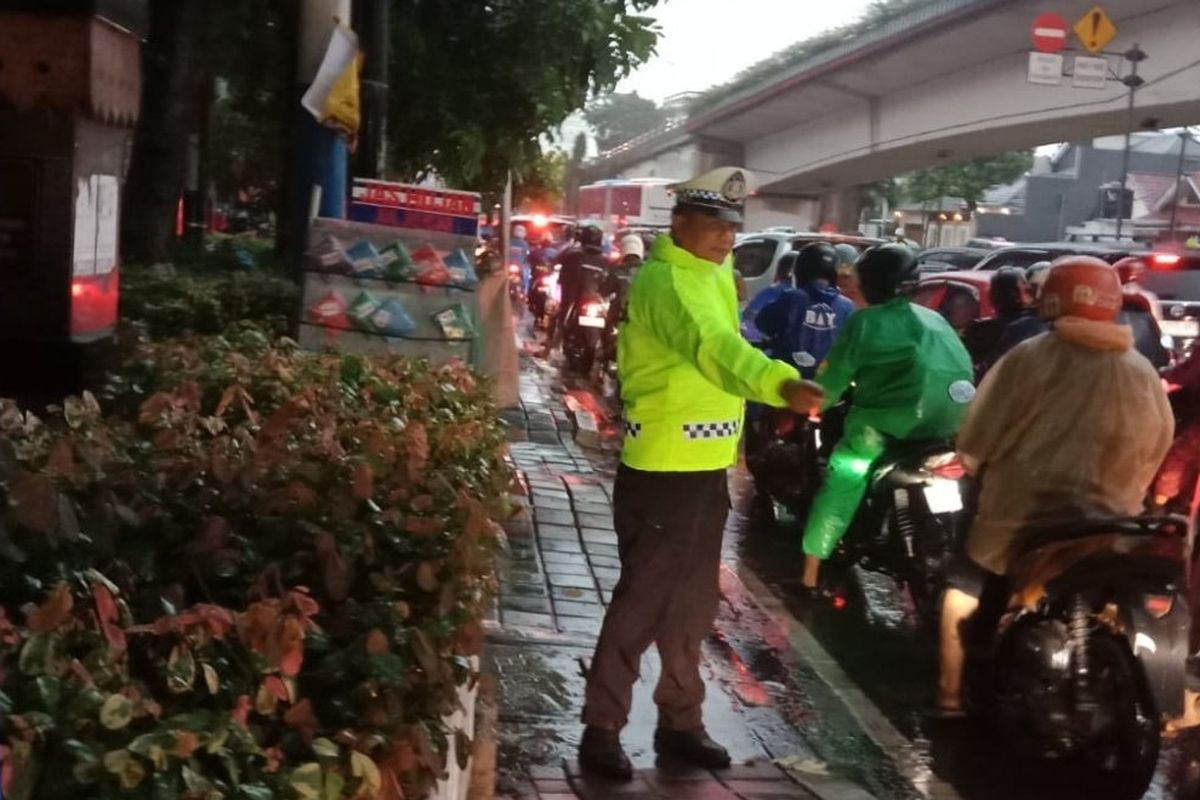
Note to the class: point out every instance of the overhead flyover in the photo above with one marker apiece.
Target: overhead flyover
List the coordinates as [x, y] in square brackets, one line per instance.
[944, 83]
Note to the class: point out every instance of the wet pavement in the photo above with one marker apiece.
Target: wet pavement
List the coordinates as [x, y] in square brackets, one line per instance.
[821, 698]
[869, 629]
[789, 735]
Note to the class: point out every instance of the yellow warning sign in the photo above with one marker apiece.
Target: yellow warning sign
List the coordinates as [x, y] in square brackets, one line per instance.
[1095, 29]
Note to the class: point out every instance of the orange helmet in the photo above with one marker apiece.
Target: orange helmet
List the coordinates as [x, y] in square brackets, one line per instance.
[1081, 286]
[1130, 269]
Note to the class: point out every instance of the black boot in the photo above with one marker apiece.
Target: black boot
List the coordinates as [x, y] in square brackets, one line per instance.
[694, 747]
[600, 753]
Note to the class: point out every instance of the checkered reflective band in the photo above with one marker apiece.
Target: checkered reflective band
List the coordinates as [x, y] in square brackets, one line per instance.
[710, 430]
[633, 429]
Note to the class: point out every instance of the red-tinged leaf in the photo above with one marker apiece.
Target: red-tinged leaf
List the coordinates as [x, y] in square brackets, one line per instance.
[228, 397]
[222, 469]
[106, 604]
[302, 494]
[279, 422]
[213, 538]
[291, 659]
[302, 718]
[335, 572]
[155, 407]
[166, 439]
[471, 638]
[186, 743]
[115, 637]
[35, 498]
[303, 603]
[61, 462]
[422, 503]
[54, 612]
[427, 576]
[241, 713]
[424, 526]
[364, 482]
[416, 448]
[377, 642]
[277, 688]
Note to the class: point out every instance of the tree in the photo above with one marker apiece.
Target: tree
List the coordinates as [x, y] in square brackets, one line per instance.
[968, 180]
[474, 85]
[541, 184]
[473, 88]
[187, 49]
[619, 117]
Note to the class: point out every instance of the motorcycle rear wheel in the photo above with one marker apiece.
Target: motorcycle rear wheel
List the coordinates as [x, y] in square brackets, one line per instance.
[1120, 765]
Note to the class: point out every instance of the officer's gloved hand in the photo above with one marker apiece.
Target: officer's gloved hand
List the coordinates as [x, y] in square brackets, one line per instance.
[802, 397]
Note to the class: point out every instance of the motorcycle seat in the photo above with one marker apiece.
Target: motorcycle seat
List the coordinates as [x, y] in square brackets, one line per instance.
[1125, 526]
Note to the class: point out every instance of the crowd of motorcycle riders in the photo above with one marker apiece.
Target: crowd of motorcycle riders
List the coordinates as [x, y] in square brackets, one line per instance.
[1040, 415]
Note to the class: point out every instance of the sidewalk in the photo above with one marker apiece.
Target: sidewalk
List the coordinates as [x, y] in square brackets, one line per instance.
[561, 569]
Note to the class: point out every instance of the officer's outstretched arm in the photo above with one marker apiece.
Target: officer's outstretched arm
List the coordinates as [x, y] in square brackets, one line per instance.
[840, 365]
[689, 317]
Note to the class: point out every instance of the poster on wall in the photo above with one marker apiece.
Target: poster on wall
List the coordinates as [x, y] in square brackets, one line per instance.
[398, 277]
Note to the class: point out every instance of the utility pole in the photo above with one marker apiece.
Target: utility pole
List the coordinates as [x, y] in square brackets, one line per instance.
[372, 22]
[1135, 55]
[1184, 136]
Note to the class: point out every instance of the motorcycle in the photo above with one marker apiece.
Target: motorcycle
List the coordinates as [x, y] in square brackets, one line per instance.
[539, 294]
[516, 286]
[783, 458]
[1090, 658]
[910, 523]
[618, 292]
[583, 327]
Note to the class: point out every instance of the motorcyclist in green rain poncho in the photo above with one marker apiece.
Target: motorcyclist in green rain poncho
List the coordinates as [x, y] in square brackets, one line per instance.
[912, 380]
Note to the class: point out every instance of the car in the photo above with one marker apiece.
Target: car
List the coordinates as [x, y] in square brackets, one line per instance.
[946, 259]
[963, 297]
[1174, 279]
[1026, 255]
[756, 255]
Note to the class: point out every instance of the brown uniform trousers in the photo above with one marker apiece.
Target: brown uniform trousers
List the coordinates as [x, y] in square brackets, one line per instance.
[669, 529]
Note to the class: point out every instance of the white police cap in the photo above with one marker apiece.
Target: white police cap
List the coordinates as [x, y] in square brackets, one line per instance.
[720, 193]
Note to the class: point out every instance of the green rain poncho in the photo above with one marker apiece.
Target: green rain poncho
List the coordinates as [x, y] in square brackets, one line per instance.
[912, 380]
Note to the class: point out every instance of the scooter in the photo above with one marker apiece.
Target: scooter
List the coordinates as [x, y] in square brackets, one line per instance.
[1090, 658]
[910, 523]
[582, 329]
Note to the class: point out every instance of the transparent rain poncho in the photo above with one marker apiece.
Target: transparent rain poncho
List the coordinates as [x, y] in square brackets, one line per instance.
[1070, 424]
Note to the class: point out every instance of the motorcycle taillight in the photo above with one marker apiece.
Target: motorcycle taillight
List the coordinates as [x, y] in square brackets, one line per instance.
[514, 269]
[593, 310]
[1158, 605]
[946, 465]
[785, 424]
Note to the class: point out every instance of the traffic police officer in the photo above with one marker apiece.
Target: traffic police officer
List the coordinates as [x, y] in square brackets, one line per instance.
[685, 372]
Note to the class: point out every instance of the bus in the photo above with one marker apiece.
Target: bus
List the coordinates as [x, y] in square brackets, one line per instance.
[627, 203]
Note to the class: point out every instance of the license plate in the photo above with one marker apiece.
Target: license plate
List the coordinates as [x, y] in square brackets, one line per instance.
[943, 497]
[592, 322]
[1181, 328]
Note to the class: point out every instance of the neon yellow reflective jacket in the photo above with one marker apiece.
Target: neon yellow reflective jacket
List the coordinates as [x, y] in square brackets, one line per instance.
[684, 366]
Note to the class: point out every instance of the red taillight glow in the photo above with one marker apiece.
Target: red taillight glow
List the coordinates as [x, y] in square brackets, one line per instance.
[785, 424]
[839, 602]
[592, 310]
[948, 466]
[1158, 605]
[514, 269]
[77, 289]
[540, 220]
[1166, 260]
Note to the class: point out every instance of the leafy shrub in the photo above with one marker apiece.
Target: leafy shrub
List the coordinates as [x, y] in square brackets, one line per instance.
[169, 301]
[260, 575]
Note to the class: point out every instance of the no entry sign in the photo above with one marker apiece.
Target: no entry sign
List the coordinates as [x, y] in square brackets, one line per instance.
[1049, 33]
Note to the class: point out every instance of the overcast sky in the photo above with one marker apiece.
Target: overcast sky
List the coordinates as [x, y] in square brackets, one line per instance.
[706, 42]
